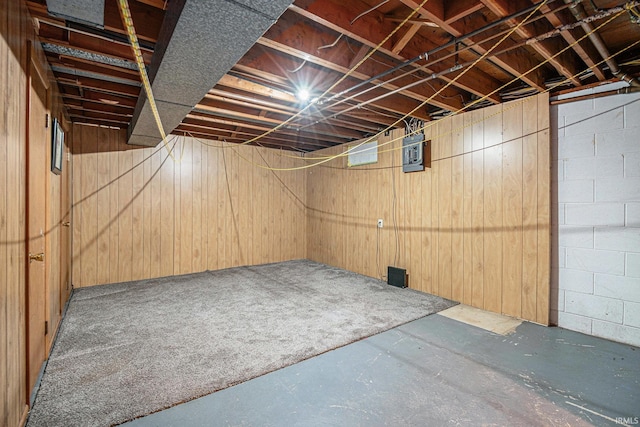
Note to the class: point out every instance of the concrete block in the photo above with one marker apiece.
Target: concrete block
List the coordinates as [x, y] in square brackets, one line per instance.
[633, 265]
[624, 288]
[632, 164]
[575, 281]
[632, 215]
[632, 113]
[590, 123]
[632, 314]
[594, 307]
[576, 146]
[617, 142]
[612, 102]
[574, 322]
[596, 261]
[625, 239]
[575, 236]
[610, 214]
[579, 191]
[580, 168]
[615, 332]
[616, 189]
[584, 107]
[609, 166]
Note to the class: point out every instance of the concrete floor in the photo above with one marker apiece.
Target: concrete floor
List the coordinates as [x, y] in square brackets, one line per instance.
[436, 371]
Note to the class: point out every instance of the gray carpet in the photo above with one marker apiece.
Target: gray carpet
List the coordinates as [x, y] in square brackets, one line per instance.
[130, 349]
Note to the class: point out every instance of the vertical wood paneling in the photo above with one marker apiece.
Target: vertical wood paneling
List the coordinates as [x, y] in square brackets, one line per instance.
[147, 220]
[15, 191]
[103, 177]
[16, 31]
[114, 200]
[493, 209]
[6, 412]
[198, 197]
[215, 251]
[474, 227]
[184, 221]
[457, 208]
[137, 214]
[477, 208]
[427, 235]
[170, 218]
[444, 207]
[512, 210]
[167, 209]
[89, 216]
[468, 231]
[544, 210]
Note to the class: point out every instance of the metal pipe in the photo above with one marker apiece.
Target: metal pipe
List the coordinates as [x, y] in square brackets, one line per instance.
[579, 13]
[487, 27]
[454, 41]
[372, 79]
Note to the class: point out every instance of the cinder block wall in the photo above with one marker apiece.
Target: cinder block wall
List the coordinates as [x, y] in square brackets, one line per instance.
[596, 217]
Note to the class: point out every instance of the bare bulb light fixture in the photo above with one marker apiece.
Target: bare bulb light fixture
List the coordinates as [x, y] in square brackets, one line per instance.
[303, 95]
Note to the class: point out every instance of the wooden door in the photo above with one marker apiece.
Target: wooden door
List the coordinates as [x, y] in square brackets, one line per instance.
[38, 142]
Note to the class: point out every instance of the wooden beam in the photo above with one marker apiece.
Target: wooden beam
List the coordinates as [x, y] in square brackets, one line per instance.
[230, 97]
[420, 93]
[372, 29]
[454, 11]
[103, 98]
[516, 65]
[399, 106]
[204, 119]
[585, 51]
[236, 114]
[245, 85]
[406, 37]
[301, 40]
[547, 48]
[244, 134]
[99, 85]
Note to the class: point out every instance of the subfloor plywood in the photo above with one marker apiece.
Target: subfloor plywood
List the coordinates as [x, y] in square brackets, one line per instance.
[492, 322]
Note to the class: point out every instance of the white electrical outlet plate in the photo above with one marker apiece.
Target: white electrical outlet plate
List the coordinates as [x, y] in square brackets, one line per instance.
[380, 223]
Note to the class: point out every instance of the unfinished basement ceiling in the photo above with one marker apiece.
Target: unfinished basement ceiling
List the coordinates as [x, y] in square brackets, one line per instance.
[314, 43]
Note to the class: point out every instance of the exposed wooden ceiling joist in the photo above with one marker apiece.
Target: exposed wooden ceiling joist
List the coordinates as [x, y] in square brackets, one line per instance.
[314, 44]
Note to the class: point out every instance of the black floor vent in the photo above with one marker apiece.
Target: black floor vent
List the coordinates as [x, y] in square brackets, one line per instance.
[397, 277]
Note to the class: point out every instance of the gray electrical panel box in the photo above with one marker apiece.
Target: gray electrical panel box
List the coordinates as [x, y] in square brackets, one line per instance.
[413, 153]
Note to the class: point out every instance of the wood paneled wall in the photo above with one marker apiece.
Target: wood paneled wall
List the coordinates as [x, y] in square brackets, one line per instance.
[13, 78]
[16, 33]
[58, 236]
[473, 228]
[137, 214]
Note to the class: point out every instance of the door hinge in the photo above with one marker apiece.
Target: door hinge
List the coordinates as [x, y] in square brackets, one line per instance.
[46, 121]
[46, 327]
